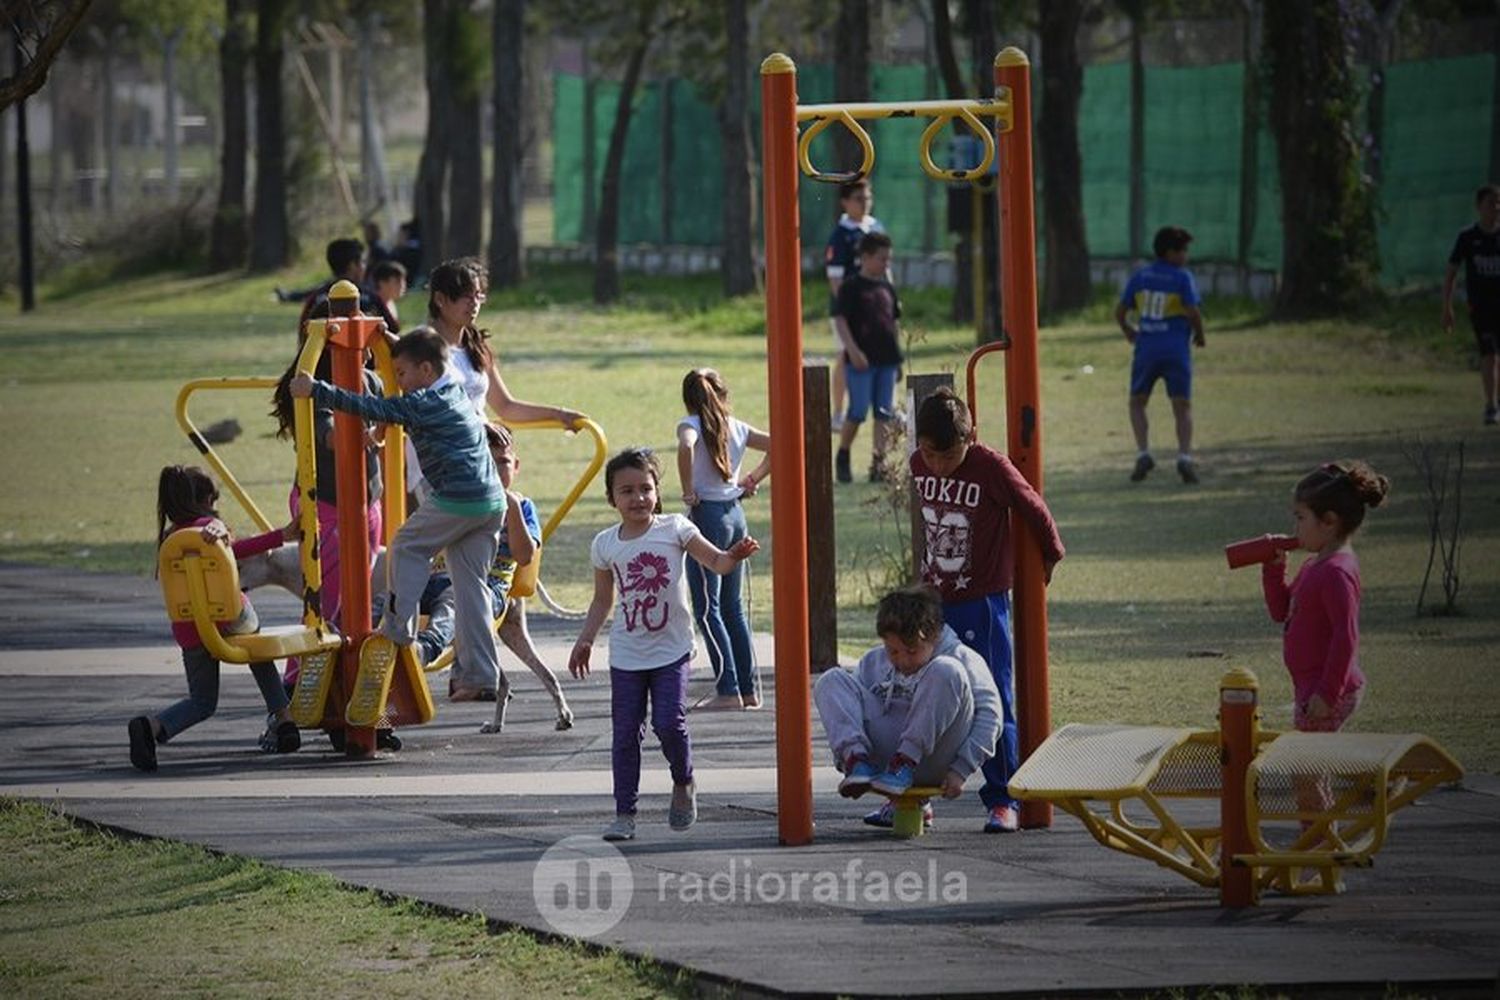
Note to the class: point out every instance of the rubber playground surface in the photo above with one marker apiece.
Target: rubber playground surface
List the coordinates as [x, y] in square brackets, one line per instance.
[483, 823]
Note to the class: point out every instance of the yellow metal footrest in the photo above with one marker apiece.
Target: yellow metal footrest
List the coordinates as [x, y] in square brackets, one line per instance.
[314, 677]
[377, 665]
[906, 816]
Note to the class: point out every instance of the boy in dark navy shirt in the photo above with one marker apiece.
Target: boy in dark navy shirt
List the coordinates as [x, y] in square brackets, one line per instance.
[840, 260]
[866, 314]
[1478, 250]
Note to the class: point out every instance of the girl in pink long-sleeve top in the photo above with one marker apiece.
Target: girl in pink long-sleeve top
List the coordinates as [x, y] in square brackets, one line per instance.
[1320, 643]
[186, 498]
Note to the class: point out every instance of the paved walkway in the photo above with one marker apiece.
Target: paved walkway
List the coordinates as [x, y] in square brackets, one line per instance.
[483, 823]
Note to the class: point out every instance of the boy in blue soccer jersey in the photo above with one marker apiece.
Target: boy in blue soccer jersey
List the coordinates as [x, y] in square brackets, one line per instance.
[1165, 300]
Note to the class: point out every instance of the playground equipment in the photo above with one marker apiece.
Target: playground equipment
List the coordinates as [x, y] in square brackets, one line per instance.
[526, 580]
[1294, 808]
[1258, 550]
[1008, 113]
[356, 680]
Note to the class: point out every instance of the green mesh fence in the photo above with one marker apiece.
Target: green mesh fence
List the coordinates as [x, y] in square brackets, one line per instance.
[1436, 129]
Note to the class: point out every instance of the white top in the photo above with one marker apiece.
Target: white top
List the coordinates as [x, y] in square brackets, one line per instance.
[653, 624]
[706, 481]
[476, 383]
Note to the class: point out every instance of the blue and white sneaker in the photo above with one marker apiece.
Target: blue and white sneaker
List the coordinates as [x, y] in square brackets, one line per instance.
[899, 775]
[857, 778]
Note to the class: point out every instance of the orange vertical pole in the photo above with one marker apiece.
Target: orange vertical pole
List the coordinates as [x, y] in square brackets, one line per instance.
[1023, 408]
[347, 338]
[1239, 720]
[778, 92]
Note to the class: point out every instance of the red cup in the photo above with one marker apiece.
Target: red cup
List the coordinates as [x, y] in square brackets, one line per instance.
[1258, 550]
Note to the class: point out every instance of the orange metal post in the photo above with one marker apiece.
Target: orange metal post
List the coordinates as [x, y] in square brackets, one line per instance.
[1023, 408]
[778, 90]
[347, 340]
[1239, 719]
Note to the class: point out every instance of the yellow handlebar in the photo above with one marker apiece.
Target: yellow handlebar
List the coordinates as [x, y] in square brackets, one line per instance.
[601, 448]
[812, 132]
[924, 151]
[971, 112]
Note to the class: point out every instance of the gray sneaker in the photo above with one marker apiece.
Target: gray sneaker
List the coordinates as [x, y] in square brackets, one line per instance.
[623, 828]
[1143, 465]
[1187, 470]
[683, 812]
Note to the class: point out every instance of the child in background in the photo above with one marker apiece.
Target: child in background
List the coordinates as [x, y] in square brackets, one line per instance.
[187, 498]
[840, 260]
[651, 640]
[867, 314]
[389, 278]
[966, 493]
[1165, 300]
[710, 444]
[919, 709]
[1477, 250]
[466, 509]
[519, 541]
[1320, 643]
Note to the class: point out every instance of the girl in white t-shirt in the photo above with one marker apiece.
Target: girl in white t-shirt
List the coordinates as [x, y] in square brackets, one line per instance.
[651, 640]
[710, 445]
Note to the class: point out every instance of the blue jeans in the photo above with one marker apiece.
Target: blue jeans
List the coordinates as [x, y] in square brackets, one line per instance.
[203, 683]
[984, 626]
[718, 604]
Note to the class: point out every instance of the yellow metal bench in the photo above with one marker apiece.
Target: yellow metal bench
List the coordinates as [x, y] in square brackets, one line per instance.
[1094, 772]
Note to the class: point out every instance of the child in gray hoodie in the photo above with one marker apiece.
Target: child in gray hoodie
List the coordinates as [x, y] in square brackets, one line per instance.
[919, 709]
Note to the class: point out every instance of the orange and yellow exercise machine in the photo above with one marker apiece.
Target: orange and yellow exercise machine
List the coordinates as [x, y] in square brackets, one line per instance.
[353, 680]
[1003, 125]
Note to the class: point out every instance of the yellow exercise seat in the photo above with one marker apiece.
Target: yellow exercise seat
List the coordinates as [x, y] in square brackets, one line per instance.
[200, 583]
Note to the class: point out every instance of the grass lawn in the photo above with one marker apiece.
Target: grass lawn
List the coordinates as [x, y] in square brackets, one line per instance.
[1144, 615]
[85, 914]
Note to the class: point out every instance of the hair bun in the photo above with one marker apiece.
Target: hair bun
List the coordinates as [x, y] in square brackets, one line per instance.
[1370, 485]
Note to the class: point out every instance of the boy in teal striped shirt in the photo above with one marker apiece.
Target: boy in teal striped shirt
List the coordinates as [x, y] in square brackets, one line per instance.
[466, 507]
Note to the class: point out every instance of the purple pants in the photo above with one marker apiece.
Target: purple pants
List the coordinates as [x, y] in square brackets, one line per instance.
[628, 691]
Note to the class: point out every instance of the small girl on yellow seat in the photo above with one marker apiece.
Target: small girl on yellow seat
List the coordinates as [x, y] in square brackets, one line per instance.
[186, 498]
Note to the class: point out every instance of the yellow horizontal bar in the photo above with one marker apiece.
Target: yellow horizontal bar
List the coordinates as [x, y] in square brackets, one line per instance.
[983, 108]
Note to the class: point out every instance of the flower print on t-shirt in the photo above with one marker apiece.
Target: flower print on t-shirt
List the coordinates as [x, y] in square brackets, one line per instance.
[645, 577]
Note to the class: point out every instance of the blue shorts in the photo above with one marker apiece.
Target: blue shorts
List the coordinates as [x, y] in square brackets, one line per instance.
[1162, 356]
[875, 385]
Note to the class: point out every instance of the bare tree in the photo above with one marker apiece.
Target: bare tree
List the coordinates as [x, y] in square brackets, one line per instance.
[851, 71]
[1066, 283]
[467, 70]
[507, 258]
[270, 232]
[37, 30]
[737, 265]
[1329, 252]
[226, 244]
[432, 168]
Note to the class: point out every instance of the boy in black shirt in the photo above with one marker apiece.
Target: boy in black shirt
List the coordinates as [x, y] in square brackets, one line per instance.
[1478, 250]
[866, 313]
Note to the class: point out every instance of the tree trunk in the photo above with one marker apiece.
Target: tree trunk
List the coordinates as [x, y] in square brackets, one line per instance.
[1495, 101]
[851, 73]
[1136, 12]
[107, 121]
[507, 257]
[169, 43]
[1249, 142]
[466, 178]
[57, 102]
[1066, 283]
[737, 260]
[466, 141]
[1329, 258]
[606, 253]
[432, 168]
[947, 55]
[270, 242]
[374, 187]
[226, 243]
[1379, 39]
[983, 42]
